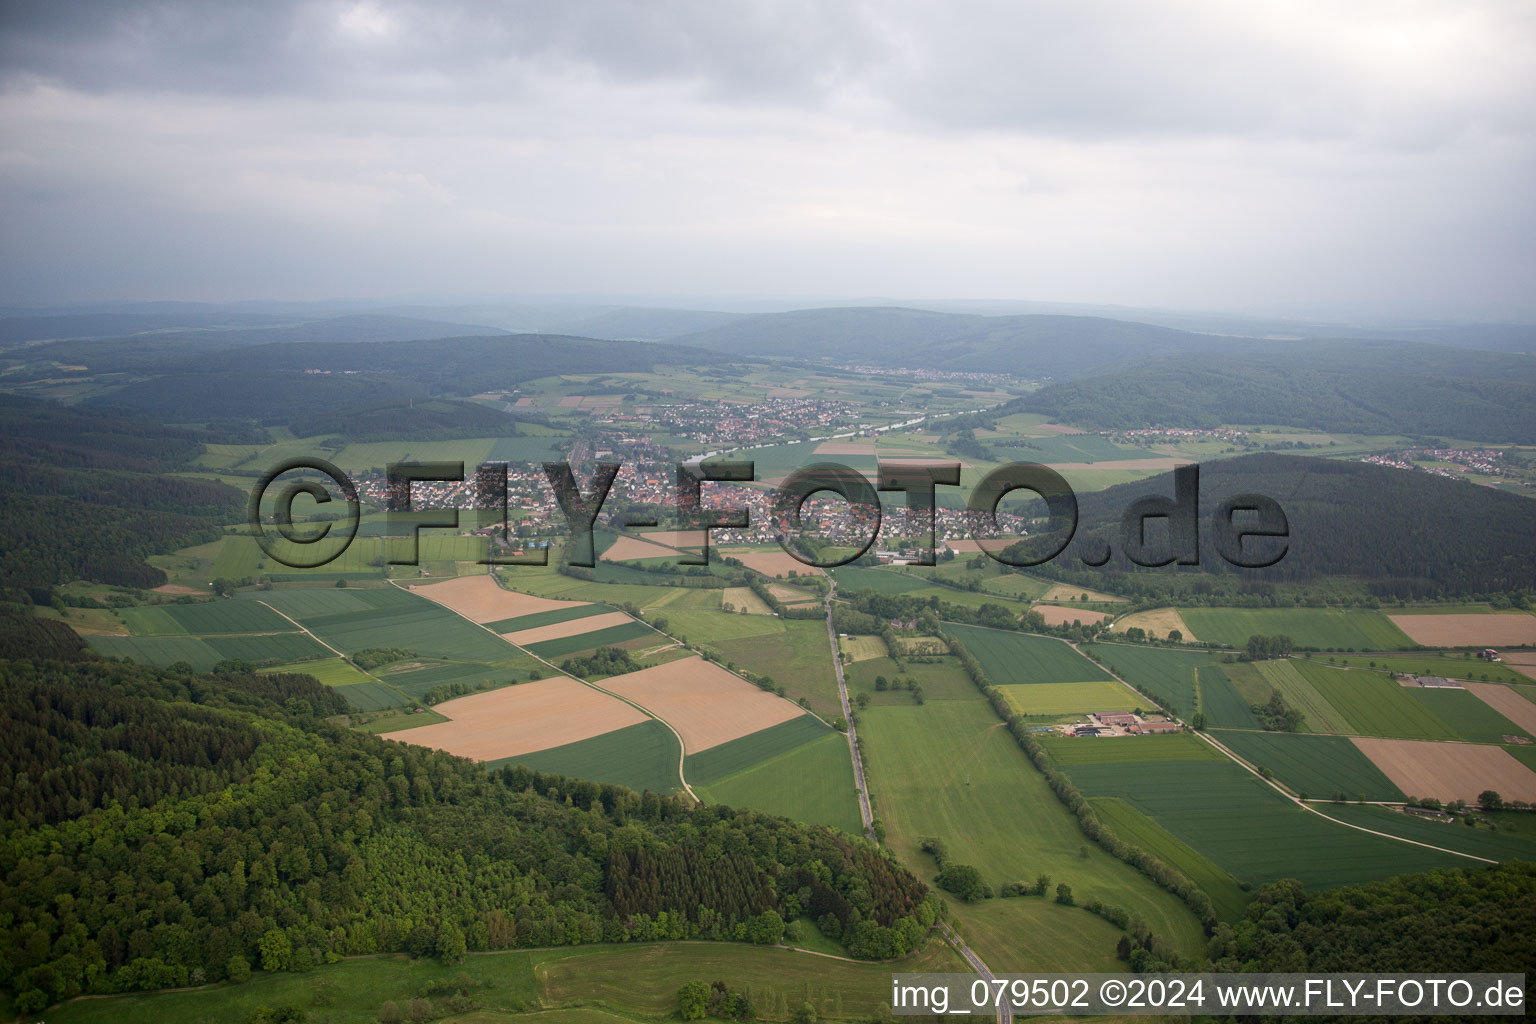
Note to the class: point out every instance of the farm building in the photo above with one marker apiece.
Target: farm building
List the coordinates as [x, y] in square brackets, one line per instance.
[1155, 727]
[1118, 718]
[1089, 731]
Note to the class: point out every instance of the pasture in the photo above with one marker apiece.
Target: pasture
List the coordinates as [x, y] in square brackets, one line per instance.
[1248, 830]
[1298, 692]
[705, 704]
[739, 600]
[641, 756]
[202, 653]
[371, 696]
[515, 720]
[881, 581]
[1008, 657]
[1374, 704]
[1359, 629]
[1139, 830]
[1166, 674]
[862, 648]
[1319, 766]
[1057, 699]
[1449, 771]
[1508, 629]
[798, 658]
[947, 770]
[707, 625]
[1060, 592]
[941, 680]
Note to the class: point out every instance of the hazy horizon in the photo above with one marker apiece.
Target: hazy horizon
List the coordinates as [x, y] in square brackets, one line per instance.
[1302, 160]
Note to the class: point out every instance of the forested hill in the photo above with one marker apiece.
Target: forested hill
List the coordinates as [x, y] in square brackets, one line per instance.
[1365, 387]
[279, 383]
[1409, 534]
[1037, 346]
[162, 829]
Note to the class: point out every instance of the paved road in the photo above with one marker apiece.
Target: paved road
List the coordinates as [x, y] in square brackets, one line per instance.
[853, 736]
[1004, 1010]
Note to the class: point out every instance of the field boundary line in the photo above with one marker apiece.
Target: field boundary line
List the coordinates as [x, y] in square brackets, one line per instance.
[682, 750]
[1304, 805]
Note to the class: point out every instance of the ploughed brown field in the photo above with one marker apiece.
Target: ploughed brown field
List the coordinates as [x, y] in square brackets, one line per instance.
[705, 704]
[1507, 702]
[1521, 661]
[480, 599]
[572, 627]
[521, 719]
[661, 544]
[770, 561]
[1055, 615]
[1449, 771]
[1468, 630]
[845, 448]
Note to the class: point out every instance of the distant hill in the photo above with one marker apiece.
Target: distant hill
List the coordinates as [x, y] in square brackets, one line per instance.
[1366, 387]
[1038, 346]
[161, 347]
[1407, 533]
[640, 324]
[293, 381]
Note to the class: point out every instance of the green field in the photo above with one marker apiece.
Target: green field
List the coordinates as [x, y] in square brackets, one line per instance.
[881, 581]
[1466, 715]
[1166, 674]
[1360, 629]
[641, 756]
[372, 696]
[1431, 664]
[1505, 844]
[549, 618]
[355, 619]
[812, 782]
[798, 659]
[202, 653]
[1067, 751]
[612, 635]
[1220, 702]
[1057, 699]
[1021, 658]
[710, 626]
[940, 680]
[1249, 830]
[1298, 692]
[1375, 704]
[948, 770]
[1139, 830]
[330, 671]
[218, 616]
[1319, 766]
[735, 756]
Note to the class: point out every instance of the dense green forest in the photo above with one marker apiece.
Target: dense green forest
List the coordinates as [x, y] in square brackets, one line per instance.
[84, 493]
[1407, 534]
[1462, 920]
[164, 828]
[1362, 387]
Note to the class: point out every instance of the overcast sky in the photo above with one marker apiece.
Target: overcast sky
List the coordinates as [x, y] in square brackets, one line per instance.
[1311, 158]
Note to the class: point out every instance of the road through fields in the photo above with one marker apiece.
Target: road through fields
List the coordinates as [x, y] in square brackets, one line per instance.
[853, 735]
